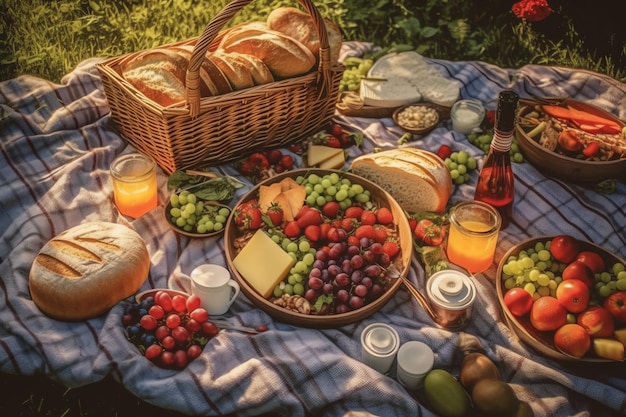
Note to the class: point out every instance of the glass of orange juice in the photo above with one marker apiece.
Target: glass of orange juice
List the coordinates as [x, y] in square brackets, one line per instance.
[134, 184]
[474, 227]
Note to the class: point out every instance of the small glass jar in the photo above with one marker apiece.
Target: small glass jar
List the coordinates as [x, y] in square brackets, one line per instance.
[134, 184]
[473, 235]
[467, 115]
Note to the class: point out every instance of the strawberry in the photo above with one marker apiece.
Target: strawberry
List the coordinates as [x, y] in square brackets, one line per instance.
[324, 228]
[286, 162]
[347, 224]
[333, 142]
[429, 233]
[353, 212]
[336, 235]
[391, 248]
[307, 216]
[313, 232]
[248, 169]
[412, 223]
[368, 217]
[353, 241]
[380, 234]
[330, 209]
[444, 151]
[259, 160]
[365, 230]
[274, 156]
[336, 130]
[384, 216]
[292, 230]
[275, 213]
[248, 217]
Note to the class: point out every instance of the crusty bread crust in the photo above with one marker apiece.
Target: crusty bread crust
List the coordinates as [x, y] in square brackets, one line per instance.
[299, 25]
[284, 56]
[418, 181]
[159, 74]
[86, 270]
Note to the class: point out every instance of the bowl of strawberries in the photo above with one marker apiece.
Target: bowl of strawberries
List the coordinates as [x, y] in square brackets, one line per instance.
[318, 248]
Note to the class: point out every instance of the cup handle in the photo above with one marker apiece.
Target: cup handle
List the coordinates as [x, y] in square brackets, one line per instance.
[234, 284]
[181, 281]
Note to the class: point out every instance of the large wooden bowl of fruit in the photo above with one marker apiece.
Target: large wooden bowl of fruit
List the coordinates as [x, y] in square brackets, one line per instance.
[565, 297]
[572, 140]
[318, 248]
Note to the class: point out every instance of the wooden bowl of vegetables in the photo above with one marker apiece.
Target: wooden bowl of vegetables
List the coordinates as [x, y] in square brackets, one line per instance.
[572, 141]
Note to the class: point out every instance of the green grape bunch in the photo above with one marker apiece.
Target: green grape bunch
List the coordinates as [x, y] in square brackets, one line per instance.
[195, 215]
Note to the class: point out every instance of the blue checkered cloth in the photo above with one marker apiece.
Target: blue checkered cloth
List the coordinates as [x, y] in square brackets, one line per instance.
[57, 141]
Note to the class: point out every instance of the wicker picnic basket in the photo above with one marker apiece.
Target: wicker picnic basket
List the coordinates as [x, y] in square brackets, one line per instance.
[203, 131]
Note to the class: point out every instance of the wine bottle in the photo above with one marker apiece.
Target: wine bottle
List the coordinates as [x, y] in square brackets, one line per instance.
[495, 182]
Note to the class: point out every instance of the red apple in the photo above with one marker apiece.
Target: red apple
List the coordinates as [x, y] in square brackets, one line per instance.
[592, 260]
[564, 248]
[578, 270]
[598, 321]
[615, 303]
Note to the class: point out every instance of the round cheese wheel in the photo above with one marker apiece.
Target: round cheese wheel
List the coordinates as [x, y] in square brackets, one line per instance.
[86, 270]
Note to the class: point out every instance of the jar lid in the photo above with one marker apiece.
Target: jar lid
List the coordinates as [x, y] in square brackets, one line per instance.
[451, 289]
[415, 358]
[380, 340]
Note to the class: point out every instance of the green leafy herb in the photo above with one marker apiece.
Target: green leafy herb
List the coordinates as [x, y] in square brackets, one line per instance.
[321, 300]
[213, 189]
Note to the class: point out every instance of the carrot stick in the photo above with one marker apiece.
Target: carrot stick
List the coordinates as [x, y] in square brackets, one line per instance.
[585, 117]
[581, 118]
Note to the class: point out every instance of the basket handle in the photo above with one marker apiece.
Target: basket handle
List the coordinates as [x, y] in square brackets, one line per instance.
[192, 85]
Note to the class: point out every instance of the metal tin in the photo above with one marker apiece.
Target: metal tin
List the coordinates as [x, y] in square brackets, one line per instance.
[451, 294]
[380, 343]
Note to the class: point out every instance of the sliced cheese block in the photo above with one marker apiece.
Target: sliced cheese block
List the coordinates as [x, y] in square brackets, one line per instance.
[262, 263]
[319, 153]
[334, 162]
[392, 92]
[411, 66]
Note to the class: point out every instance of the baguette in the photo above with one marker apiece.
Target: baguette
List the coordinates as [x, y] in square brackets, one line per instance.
[236, 71]
[284, 56]
[418, 180]
[86, 270]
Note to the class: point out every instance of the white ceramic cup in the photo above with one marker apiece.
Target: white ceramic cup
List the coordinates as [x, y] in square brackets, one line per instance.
[213, 284]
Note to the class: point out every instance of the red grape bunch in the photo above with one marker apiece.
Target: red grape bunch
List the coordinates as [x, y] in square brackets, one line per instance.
[170, 330]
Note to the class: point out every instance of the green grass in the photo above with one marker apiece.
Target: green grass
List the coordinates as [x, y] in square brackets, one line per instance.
[48, 39]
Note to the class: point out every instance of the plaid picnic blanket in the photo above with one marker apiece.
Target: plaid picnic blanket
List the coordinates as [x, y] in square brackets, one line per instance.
[56, 143]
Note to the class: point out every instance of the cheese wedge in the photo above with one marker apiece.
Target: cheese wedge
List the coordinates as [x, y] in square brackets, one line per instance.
[262, 263]
[319, 153]
[334, 162]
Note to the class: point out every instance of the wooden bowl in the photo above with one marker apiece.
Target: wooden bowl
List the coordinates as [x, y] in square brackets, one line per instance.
[334, 320]
[168, 219]
[566, 167]
[542, 342]
[418, 129]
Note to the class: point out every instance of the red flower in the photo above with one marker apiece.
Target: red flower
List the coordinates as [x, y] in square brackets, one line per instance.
[532, 10]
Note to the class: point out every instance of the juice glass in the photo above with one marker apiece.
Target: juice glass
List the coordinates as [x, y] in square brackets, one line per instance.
[474, 227]
[134, 184]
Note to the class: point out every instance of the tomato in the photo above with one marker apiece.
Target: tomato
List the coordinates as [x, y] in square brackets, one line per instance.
[573, 295]
[564, 248]
[580, 271]
[592, 260]
[429, 233]
[616, 304]
[518, 301]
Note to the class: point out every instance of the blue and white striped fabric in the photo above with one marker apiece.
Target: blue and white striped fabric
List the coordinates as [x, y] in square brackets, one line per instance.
[56, 144]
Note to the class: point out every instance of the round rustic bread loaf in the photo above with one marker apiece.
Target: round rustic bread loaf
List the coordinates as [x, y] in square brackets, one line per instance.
[86, 270]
